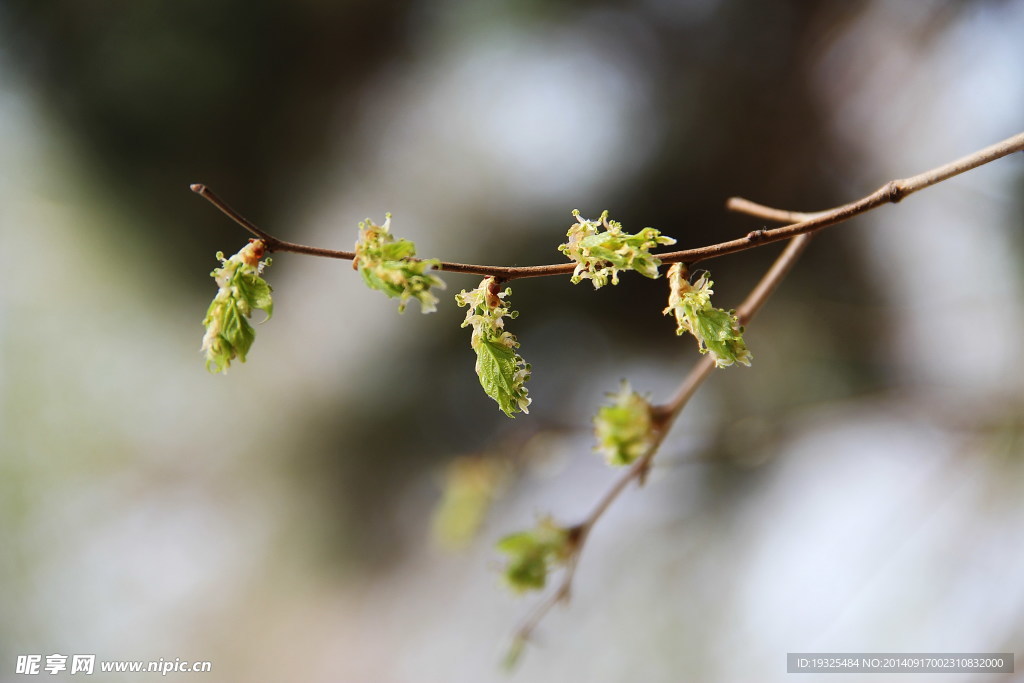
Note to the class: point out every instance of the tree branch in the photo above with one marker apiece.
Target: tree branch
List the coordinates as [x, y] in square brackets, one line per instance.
[800, 223]
[664, 417]
[800, 231]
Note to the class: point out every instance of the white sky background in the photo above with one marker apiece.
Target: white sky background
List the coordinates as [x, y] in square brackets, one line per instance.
[135, 529]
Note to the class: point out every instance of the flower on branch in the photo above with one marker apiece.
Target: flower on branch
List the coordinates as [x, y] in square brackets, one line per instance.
[601, 249]
[241, 290]
[533, 554]
[716, 330]
[624, 429]
[503, 372]
[388, 265]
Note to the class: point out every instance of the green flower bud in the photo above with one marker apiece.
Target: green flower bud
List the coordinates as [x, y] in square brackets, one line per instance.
[503, 373]
[717, 331]
[533, 554]
[387, 265]
[240, 291]
[624, 429]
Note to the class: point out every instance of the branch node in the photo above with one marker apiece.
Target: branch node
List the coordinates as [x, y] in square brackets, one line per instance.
[756, 235]
[575, 533]
[661, 416]
[895, 190]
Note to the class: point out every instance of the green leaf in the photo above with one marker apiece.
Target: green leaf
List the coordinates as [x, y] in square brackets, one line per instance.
[498, 367]
[240, 291]
[237, 330]
[503, 373]
[532, 554]
[624, 429]
[717, 331]
[255, 291]
[601, 249]
[388, 265]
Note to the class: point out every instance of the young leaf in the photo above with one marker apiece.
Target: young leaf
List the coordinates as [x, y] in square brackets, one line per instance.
[716, 330]
[624, 429]
[503, 372]
[601, 249]
[241, 290]
[387, 265]
[532, 554]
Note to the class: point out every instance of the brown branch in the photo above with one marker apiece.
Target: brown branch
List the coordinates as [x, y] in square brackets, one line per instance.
[741, 205]
[276, 244]
[892, 192]
[273, 243]
[800, 223]
[664, 417]
[666, 413]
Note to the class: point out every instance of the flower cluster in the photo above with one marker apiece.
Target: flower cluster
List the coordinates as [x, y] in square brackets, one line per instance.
[716, 330]
[534, 553]
[388, 264]
[241, 290]
[601, 249]
[503, 372]
[624, 429]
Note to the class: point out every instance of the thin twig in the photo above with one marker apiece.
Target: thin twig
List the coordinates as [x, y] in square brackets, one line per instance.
[665, 416]
[800, 223]
[741, 205]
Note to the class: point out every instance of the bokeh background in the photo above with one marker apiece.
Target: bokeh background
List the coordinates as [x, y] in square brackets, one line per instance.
[860, 488]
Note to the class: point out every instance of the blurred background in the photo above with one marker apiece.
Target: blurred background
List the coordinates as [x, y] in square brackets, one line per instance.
[859, 489]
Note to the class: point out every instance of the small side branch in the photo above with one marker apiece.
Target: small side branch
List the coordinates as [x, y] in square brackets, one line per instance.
[741, 205]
